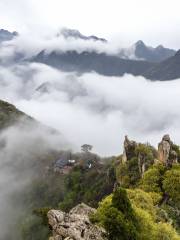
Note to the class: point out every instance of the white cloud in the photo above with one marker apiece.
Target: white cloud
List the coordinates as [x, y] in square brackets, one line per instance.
[95, 109]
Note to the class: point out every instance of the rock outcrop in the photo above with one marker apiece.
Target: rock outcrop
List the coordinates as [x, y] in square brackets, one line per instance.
[74, 225]
[166, 154]
[129, 152]
[129, 149]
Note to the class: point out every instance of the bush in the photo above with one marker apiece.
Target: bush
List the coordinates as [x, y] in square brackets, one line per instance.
[152, 179]
[116, 215]
[171, 184]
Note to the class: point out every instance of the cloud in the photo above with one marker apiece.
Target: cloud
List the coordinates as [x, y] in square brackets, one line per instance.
[26, 47]
[95, 109]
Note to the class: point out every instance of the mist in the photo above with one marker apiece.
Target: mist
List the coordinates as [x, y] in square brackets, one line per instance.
[24, 147]
[26, 47]
[94, 109]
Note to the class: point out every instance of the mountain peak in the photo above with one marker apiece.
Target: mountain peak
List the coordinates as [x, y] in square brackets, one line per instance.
[178, 53]
[73, 33]
[159, 47]
[140, 43]
[5, 35]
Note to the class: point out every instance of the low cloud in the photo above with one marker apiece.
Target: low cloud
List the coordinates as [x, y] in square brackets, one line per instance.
[26, 46]
[95, 109]
[23, 150]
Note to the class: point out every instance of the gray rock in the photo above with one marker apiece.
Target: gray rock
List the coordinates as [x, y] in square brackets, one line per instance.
[74, 225]
[166, 154]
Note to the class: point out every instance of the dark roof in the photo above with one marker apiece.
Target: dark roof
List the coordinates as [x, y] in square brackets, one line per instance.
[60, 163]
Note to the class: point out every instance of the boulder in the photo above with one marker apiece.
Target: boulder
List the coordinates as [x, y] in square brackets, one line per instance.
[74, 225]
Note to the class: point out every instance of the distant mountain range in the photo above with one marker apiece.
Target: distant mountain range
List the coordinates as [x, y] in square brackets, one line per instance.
[92, 61]
[157, 63]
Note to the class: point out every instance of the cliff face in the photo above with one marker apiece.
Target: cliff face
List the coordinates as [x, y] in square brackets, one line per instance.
[74, 225]
[140, 151]
[166, 154]
[129, 149]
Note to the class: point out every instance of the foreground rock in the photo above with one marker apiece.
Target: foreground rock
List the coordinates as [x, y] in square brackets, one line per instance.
[74, 225]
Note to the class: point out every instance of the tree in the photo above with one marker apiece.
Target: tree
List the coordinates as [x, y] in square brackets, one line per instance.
[121, 201]
[152, 179]
[117, 227]
[116, 215]
[86, 148]
[171, 184]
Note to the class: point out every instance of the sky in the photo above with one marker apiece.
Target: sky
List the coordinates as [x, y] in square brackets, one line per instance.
[155, 22]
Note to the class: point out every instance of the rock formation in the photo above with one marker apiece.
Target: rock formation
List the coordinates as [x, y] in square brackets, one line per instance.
[74, 225]
[139, 151]
[166, 154]
[129, 149]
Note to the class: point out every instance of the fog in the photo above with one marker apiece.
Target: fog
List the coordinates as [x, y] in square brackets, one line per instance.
[27, 47]
[94, 109]
[23, 147]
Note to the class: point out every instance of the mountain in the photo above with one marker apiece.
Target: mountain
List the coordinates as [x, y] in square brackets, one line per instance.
[10, 115]
[157, 63]
[140, 51]
[111, 65]
[6, 35]
[139, 59]
[166, 70]
[73, 33]
[101, 63]
[151, 54]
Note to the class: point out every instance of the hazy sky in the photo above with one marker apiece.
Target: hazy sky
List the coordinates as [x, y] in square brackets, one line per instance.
[155, 21]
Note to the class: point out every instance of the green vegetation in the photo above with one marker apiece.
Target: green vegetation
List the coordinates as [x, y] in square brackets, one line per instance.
[88, 186]
[129, 172]
[171, 184]
[146, 206]
[133, 217]
[117, 216]
[152, 179]
[55, 190]
[9, 114]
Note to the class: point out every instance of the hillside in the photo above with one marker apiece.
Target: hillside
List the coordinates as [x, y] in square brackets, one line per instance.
[138, 190]
[143, 178]
[10, 115]
[166, 70]
[101, 63]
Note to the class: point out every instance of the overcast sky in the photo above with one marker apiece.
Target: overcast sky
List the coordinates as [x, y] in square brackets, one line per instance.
[155, 22]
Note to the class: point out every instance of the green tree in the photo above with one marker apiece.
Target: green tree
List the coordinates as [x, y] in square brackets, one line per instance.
[171, 184]
[152, 179]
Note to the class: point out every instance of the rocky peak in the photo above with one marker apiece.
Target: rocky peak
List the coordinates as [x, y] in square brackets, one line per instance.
[6, 35]
[166, 154]
[74, 225]
[139, 151]
[129, 149]
[140, 43]
[73, 33]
